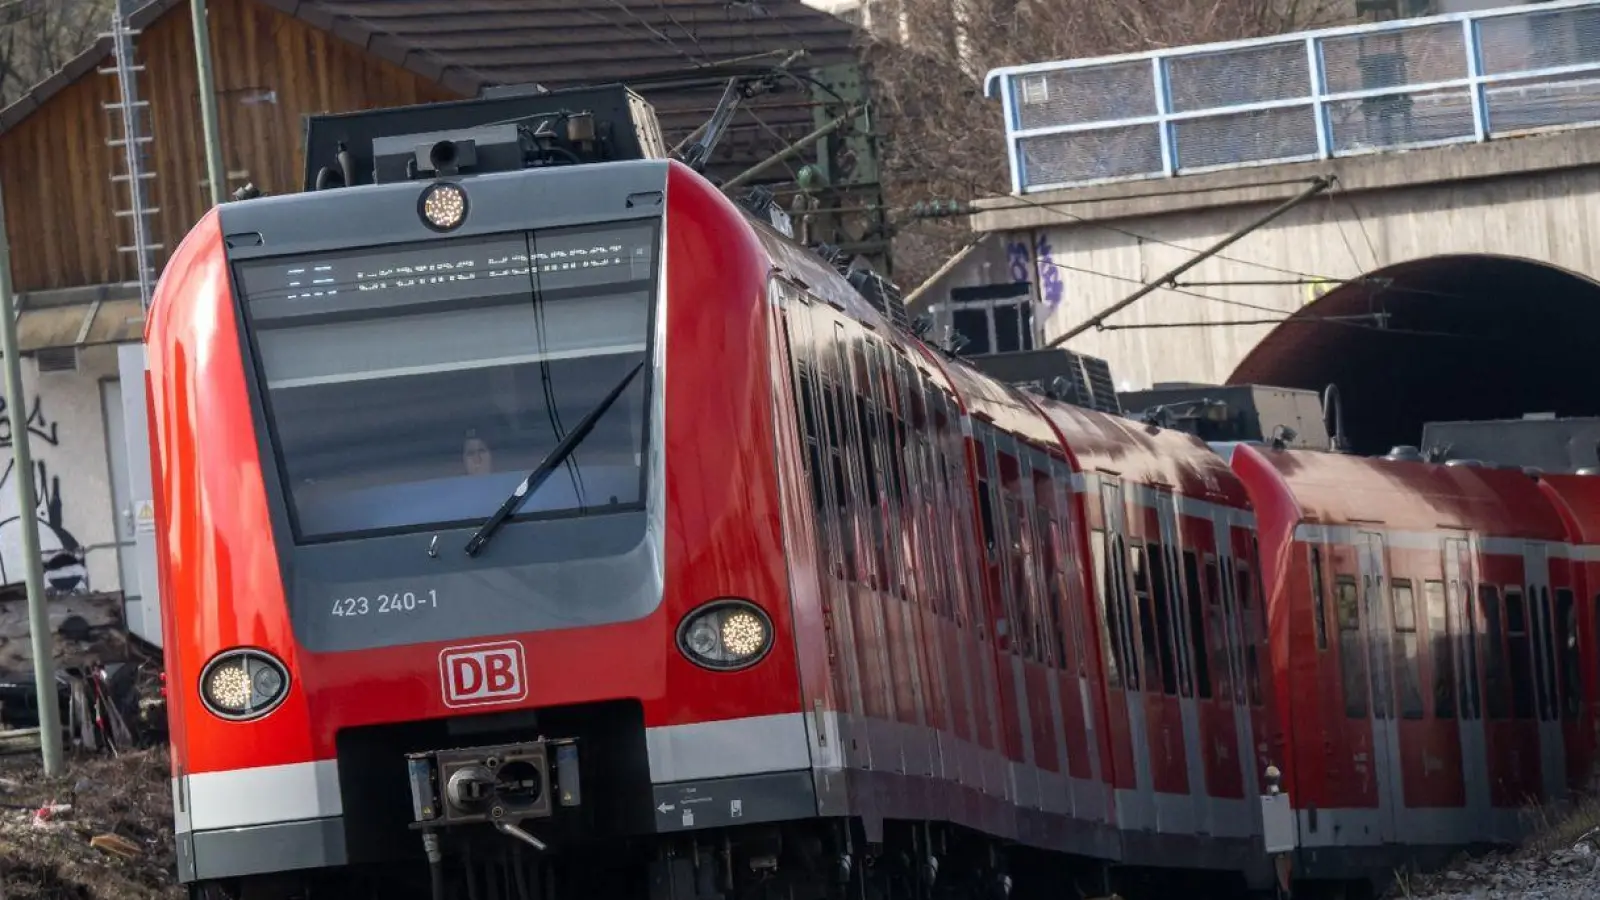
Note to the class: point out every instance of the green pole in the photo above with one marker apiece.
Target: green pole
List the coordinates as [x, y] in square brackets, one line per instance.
[44, 663]
[208, 101]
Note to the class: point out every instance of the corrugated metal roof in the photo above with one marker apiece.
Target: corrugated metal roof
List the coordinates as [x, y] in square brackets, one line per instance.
[676, 53]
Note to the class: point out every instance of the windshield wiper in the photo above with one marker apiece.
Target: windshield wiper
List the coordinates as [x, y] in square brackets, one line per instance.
[546, 466]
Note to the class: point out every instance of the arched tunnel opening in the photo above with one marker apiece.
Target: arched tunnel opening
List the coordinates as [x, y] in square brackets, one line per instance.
[1446, 338]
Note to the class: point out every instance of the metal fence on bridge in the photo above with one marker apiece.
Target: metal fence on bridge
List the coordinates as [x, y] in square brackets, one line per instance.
[1313, 95]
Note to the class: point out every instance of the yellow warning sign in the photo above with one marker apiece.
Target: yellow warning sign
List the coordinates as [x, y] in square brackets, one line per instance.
[144, 515]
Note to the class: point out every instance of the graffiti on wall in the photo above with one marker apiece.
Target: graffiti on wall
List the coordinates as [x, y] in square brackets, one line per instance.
[1051, 290]
[1022, 262]
[63, 558]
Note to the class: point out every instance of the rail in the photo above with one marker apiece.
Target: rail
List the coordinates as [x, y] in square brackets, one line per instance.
[1335, 92]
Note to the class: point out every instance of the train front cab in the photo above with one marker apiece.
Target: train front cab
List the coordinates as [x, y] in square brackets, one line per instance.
[285, 515]
[1181, 633]
[1415, 642]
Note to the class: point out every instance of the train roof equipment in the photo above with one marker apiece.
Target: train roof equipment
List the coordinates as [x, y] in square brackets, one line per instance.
[504, 131]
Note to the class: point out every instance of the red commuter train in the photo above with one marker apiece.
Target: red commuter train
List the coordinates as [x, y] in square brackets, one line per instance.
[567, 529]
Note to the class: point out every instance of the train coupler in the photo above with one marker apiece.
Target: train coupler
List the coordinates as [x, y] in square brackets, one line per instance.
[501, 785]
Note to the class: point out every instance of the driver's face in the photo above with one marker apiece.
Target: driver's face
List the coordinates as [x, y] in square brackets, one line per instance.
[476, 458]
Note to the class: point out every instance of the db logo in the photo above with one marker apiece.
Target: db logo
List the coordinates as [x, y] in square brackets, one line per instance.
[481, 674]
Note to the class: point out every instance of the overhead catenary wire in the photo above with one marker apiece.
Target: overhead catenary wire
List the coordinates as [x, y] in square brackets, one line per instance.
[1088, 222]
[1318, 185]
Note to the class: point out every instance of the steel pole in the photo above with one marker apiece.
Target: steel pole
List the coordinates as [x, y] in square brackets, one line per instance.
[44, 662]
[208, 101]
[793, 149]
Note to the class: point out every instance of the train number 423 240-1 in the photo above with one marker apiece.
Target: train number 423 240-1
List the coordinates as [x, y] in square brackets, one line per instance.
[405, 601]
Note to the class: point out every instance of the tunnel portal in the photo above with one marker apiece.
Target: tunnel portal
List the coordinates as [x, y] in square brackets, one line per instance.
[1464, 337]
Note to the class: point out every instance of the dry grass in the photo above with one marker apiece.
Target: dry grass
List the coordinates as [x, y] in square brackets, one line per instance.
[129, 796]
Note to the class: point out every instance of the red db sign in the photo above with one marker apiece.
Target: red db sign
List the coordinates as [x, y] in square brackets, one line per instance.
[482, 674]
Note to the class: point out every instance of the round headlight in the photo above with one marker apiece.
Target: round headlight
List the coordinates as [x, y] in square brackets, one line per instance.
[725, 635]
[243, 684]
[443, 206]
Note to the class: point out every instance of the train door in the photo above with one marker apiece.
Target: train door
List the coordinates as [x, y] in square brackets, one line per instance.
[1378, 626]
[814, 374]
[1177, 601]
[1234, 639]
[1232, 730]
[1463, 628]
[1136, 810]
[1078, 693]
[1002, 611]
[1547, 706]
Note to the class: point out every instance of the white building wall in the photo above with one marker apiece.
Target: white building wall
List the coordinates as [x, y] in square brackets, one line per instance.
[66, 424]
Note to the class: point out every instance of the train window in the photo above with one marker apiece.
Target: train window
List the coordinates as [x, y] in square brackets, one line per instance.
[405, 403]
[1547, 631]
[1180, 623]
[1147, 616]
[1103, 590]
[1123, 616]
[808, 431]
[1019, 542]
[1160, 602]
[1596, 604]
[1441, 651]
[1252, 636]
[1567, 654]
[1055, 598]
[1498, 706]
[1197, 625]
[986, 511]
[1537, 625]
[1319, 603]
[1235, 631]
[1407, 658]
[1519, 655]
[1464, 625]
[1221, 647]
[1352, 653]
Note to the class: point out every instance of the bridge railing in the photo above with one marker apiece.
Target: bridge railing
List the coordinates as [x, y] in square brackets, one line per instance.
[1312, 95]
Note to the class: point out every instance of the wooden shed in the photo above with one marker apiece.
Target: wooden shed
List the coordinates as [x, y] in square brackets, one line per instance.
[64, 173]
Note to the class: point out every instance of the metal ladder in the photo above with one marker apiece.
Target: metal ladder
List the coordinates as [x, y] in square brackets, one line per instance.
[133, 144]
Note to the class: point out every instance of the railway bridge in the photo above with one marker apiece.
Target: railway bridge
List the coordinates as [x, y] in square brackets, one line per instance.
[1446, 268]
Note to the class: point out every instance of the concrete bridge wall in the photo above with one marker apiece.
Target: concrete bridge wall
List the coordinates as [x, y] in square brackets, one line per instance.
[1537, 198]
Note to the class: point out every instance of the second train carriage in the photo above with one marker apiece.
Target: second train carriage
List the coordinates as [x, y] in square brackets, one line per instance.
[1171, 551]
[969, 652]
[1577, 499]
[1420, 620]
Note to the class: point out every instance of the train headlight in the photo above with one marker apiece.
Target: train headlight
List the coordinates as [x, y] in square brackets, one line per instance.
[243, 684]
[725, 635]
[443, 206]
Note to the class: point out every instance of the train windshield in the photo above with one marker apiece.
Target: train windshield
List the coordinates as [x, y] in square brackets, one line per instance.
[413, 386]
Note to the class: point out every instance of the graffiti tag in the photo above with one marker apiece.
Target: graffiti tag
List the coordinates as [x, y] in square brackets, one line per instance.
[1052, 288]
[63, 564]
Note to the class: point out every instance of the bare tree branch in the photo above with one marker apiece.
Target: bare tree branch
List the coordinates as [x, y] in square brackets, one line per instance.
[37, 37]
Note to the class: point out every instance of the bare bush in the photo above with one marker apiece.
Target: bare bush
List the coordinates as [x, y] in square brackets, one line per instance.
[942, 139]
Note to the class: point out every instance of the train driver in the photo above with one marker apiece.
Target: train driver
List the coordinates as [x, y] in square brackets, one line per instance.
[475, 455]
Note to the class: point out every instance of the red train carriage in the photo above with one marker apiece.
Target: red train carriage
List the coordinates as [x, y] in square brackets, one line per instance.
[1418, 640]
[1182, 633]
[950, 668]
[1577, 498]
[962, 670]
[1032, 565]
